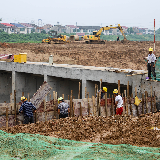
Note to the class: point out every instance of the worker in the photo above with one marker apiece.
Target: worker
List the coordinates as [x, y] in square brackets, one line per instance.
[151, 61]
[63, 108]
[103, 91]
[27, 108]
[118, 102]
[117, 38]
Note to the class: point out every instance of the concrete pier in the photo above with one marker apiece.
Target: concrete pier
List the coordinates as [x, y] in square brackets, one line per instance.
[28, 77]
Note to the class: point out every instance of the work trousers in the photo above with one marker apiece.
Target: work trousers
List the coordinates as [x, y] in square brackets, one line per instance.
[28, 119]
[63, 115]
[151, 69]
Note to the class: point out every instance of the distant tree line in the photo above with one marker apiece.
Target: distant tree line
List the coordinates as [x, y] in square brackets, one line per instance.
[37, 37]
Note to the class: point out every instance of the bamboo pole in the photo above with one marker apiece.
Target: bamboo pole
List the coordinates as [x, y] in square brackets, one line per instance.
[100, 84]
[63, 96]
[135, 91]
[95, 90]
[151, 101]
[112, 107]
[45, 110]
[28, 98]
[71, 109]
[146, 101]
[85, 92]
[88, 104]
[80, 109]
[93, 99]
[7, 119]
[79, 93]
[54, 97]
[128, 90]
[106, 102]
[68, 97]
[130, 106]
[119, 92]
[15, 109]
[124, 102]
[98, 103]
[155, 109]
[22, 94]
[142, 103]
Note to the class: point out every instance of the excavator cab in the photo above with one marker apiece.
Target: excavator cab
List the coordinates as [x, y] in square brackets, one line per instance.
[94, 32]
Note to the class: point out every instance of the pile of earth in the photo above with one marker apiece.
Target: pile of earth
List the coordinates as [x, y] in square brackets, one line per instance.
[114, 54]
[108, 130]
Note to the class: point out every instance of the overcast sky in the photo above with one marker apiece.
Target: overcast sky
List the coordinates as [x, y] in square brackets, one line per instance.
[140, 13]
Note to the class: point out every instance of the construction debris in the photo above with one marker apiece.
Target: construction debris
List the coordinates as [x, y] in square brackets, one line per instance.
[112, 130]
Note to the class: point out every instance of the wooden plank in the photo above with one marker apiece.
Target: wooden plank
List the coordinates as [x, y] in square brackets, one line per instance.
[106, 102]
[146, 101]
[119, 92]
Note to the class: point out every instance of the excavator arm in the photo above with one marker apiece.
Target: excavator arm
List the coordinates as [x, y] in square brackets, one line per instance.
[108, 28]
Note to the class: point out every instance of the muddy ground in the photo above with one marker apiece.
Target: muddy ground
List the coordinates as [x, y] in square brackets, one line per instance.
[128, 55]
[112, 130]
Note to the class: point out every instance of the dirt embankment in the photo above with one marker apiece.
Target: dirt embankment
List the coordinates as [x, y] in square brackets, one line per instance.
[118, 130]
[112, 54]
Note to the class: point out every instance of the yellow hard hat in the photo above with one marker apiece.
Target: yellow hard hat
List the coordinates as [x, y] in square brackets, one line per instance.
[23, 98]
[105, 89]
[115, 91]
[150, 49]
[60, 99]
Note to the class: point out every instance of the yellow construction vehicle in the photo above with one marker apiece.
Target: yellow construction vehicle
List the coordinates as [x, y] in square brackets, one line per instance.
[56, 39]
[95, 38]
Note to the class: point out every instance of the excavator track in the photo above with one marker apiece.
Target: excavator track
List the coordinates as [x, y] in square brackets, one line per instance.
[95, 42]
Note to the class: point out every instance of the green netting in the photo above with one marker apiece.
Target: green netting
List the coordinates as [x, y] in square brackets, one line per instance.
[35, 146]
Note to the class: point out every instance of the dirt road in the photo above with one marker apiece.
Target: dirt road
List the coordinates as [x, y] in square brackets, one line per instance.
[129, 55]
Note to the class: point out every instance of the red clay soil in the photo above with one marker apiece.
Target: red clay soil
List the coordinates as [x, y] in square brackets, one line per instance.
[118, 130]
[128, 55]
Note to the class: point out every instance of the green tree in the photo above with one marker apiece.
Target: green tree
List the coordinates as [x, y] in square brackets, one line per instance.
[158, 31]
[130, 30]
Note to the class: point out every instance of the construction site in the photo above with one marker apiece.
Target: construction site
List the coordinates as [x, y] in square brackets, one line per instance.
[76, 71]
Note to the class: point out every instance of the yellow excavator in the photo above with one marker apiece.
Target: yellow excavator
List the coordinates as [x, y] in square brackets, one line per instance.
[95, 38]
[60, 39]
